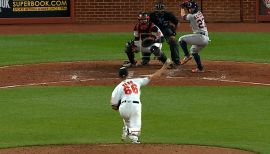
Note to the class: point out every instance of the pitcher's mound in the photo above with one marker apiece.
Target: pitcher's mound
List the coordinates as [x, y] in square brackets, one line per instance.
[123, 149]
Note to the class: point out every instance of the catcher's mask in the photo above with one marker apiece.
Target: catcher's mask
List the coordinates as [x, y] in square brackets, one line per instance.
[123, 72]
[143, 19]
[192, 7]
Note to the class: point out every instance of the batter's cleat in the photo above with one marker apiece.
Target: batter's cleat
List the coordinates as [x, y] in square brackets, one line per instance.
[196, 70]
[186, 59]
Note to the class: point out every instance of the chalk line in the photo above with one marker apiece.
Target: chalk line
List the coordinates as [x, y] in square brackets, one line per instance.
[54, 82]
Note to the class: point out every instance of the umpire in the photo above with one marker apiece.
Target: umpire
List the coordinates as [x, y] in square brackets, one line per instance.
[167, 22]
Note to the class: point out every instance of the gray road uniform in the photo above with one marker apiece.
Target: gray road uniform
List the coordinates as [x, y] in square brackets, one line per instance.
[199, 38]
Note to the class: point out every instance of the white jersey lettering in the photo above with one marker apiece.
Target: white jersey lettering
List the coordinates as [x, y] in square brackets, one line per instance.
[197, 22]
[128, 89]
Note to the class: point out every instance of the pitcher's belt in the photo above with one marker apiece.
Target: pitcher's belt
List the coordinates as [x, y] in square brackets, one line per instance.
[125, 101]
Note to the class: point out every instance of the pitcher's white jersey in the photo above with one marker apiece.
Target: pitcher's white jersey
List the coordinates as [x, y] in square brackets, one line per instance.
[128, 90]
[197, 23]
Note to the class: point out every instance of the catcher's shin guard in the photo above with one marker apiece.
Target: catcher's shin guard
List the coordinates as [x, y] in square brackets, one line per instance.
[162, 57]
[158, 53]
[130, 53]
[145, 58]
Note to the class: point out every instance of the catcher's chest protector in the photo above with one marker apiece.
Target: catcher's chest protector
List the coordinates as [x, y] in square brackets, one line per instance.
[148, 30]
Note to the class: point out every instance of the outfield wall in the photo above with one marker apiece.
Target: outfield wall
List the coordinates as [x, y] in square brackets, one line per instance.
[125, 11]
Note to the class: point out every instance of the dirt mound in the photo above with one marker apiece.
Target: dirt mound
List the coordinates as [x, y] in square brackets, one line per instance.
[124, 149]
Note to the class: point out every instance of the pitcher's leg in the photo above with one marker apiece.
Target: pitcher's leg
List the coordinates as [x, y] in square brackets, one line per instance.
[135, 124]
[125, 130]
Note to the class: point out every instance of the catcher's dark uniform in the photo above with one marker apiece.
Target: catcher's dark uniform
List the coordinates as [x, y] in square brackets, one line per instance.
[141, 32]
[167, 22]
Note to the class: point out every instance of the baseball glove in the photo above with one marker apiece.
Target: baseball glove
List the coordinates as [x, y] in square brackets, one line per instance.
[148, 41]
[116, 107]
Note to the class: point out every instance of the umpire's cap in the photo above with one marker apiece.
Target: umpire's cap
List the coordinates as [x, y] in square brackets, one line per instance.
[159, 6]
[123, 72]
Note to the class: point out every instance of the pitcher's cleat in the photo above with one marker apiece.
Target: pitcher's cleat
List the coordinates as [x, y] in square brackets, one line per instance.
[124, 134]
[135, 142]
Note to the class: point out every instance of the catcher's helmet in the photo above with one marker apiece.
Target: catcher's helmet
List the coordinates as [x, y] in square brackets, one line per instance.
[123, 72]
[159, 6]
[143, 17]
[193, 6]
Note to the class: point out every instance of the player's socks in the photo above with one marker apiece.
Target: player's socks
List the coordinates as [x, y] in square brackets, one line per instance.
[197, 59]
[183, 44]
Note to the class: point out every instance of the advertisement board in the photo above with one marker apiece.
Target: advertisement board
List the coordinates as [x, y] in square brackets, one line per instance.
[264, 7]
[36, 11]
[263, 10]
[34, 8]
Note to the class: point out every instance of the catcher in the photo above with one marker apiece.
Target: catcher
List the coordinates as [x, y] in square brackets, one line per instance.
[148, 40]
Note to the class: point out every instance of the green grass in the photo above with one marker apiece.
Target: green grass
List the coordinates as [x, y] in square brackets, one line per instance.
[237, 117]
[238, 47]
[21, 49]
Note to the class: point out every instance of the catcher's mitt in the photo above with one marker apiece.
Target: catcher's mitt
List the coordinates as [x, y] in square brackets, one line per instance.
[148, 41]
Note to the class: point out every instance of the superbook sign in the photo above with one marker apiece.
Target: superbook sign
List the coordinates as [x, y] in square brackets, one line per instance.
[34, 8]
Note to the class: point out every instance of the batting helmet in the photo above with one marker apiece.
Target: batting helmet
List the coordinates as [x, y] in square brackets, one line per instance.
[193, 6]
[123, 72]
